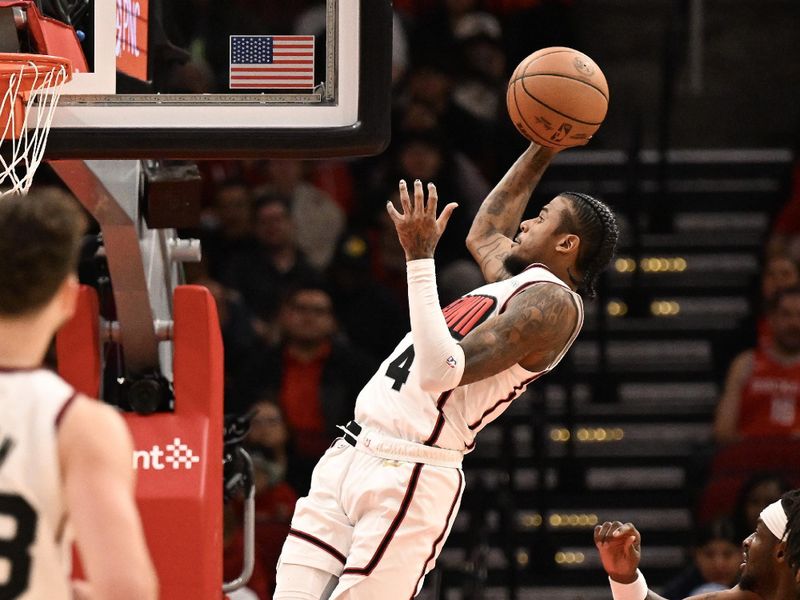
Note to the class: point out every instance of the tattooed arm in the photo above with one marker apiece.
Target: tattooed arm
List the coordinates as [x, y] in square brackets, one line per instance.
[495, 225]
[532, 331]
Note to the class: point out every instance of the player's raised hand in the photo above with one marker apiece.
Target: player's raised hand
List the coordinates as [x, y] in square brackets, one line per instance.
[418, 228]
[620, 547]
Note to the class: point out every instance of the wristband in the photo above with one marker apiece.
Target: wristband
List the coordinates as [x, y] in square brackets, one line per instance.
[637, 590]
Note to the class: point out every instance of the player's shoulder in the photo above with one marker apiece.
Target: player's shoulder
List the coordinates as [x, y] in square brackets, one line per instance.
[89, 411]
[88, 422]
[547, 297]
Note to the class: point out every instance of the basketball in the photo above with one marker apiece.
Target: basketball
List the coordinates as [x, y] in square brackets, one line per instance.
[557, 97]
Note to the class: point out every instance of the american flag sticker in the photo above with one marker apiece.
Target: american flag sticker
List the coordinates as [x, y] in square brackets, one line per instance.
[272, 62]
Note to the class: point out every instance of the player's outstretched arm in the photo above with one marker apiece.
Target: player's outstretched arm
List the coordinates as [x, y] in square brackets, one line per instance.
[620, 547]
[492, 232]
[95, 451]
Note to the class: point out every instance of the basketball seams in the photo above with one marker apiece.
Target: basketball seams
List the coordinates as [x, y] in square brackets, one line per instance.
[521, 116]
[525, 64]
[561, 75]
[558, 112]
[559, 51]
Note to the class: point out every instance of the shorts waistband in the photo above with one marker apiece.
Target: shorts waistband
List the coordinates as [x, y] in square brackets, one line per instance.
[371, 442]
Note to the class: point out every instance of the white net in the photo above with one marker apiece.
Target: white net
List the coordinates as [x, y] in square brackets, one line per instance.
[20, 155]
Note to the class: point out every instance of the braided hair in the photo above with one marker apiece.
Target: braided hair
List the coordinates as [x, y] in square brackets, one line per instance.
[594, 223]
[790, 502]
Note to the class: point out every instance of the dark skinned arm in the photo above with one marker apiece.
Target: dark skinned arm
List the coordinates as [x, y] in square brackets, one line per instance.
[620, 548]
[493, 230]
[532, 331]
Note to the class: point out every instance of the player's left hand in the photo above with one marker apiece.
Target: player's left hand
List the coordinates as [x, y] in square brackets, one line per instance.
[620, 547]
[417, 226]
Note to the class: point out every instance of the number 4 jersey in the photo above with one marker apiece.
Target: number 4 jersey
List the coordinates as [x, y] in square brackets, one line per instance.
[34, 549]
[394, 403]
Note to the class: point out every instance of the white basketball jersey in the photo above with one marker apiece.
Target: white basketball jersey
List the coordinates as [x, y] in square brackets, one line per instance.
[393, 401]
[34, 549]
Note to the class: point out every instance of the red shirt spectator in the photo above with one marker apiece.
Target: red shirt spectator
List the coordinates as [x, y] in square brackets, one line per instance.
[762, 389]
[300, 392]
[771, 397]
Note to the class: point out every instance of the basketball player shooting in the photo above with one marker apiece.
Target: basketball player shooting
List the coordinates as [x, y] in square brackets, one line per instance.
[384, 496]
[65, 460]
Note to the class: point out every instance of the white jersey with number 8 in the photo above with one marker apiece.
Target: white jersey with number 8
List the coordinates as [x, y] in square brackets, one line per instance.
[34, 544]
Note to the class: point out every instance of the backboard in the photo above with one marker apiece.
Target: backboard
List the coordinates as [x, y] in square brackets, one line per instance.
[200, 79]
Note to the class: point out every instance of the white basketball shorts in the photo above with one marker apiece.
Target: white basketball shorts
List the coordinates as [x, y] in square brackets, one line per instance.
[376, 523]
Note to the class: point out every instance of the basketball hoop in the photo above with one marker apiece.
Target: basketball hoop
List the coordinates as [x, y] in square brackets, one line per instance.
[30, 85]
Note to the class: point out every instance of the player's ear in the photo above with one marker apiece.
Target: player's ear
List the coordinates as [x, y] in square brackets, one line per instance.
[68, 296]
[569, 243]
[780, 551]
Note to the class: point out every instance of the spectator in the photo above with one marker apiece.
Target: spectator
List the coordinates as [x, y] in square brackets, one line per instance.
[388, 258]
[318, 220]
[777, 273]
[785, 235]
[233, 559]
[240, 338]
[368, 311]
[276, 263]
[759, 491]
[275, 497]
[716, 557]
[228, 227]
[481, 88]
[431, 83]
[780, 272]
[316, 374]
[762, 388]
[428, 156]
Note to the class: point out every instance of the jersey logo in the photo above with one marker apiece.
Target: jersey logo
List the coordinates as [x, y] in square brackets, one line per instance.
[5, 449]
[465, 314]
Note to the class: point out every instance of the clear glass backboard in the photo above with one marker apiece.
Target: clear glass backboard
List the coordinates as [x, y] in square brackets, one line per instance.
[233, 78]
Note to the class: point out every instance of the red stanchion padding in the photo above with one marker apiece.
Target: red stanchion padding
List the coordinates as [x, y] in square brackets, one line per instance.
[78, 345]
[178, 457]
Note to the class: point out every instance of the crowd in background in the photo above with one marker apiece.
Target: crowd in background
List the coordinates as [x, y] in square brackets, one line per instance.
[309, 277]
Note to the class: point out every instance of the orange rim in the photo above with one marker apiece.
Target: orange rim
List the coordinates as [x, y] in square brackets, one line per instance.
[28, 65]
[30, 68]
